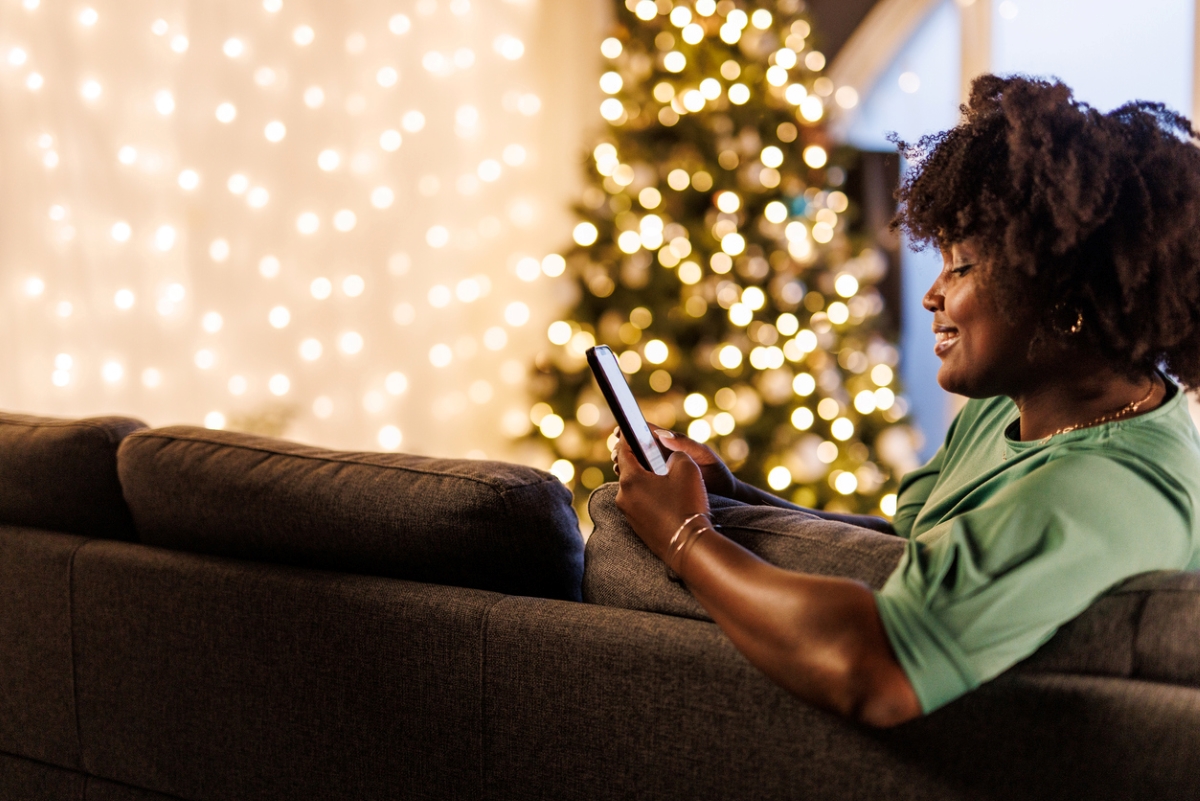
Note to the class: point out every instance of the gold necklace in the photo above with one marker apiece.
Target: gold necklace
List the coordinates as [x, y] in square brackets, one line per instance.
[1128, 408]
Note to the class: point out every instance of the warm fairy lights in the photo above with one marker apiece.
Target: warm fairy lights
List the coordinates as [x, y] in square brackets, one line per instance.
[325, 222]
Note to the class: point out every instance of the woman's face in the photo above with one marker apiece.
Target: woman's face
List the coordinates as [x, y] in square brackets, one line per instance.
[984, 353]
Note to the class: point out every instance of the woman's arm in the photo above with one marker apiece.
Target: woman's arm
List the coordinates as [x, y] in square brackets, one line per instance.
[720, 481]
[819, 638]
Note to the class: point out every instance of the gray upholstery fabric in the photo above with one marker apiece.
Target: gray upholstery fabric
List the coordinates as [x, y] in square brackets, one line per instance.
[25, 780]
[1148, 628]
[37, 707]
[62, 474]
[487, 525]
[600, 703]
[621, 571]
[207, 678]
[100, 790]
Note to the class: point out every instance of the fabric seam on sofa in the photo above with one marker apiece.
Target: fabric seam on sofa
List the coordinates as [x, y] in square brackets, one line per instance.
[67, 424]
[333, 458]
[74, 655]
[483, 635]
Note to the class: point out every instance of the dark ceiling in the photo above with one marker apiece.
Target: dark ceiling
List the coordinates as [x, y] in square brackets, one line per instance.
[835, 20]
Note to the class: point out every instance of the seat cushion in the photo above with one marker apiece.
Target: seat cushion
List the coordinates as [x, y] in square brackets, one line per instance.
[621, 571]
[467, 523]
[61, 475]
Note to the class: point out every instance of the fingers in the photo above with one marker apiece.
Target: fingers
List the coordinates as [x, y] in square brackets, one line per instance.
[625, 462]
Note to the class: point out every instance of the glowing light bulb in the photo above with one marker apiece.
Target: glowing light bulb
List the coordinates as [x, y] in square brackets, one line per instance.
[204, 359]
[212, 322]
[303, 35]
[91, 90]
[275, 131]
[164, 238]
[112, 372]
[321, 288]
[437, 236]
[314, 97]
[441, 355]
[390, 140]
[34, 81]
[279, 384]
[279, 317]
[514, 155]
[387, 77]
[233, 47]
[350, 343]
[237, 183]
[214, 421]
[164, 102]
[88, 17]
[257, 197]
[120, 231]
[308, 223]
[310, 350]
[509, 47]
[218, 250]
[399, 24]
[611, 48]
[412, 121]
[390, 438]
[328, 160]
[516, 314]
[189, 180]
[226, 113]
[179, 44]
[396, 383]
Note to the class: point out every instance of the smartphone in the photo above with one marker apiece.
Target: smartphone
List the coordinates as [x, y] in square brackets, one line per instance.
[629, 417]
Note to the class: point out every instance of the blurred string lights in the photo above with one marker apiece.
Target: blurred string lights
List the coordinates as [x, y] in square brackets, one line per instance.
[308, 220]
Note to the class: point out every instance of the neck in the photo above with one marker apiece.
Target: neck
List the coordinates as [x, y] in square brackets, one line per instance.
[1081, 398]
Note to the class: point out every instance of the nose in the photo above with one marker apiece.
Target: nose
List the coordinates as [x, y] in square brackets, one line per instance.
[934, 300]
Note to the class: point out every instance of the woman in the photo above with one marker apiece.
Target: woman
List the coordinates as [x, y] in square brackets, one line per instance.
[1071, 282]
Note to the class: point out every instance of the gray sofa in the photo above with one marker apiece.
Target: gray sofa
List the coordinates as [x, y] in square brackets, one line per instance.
[203, 615]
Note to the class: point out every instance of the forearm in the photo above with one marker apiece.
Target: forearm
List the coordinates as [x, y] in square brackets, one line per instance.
[747, 493]
[820, 638]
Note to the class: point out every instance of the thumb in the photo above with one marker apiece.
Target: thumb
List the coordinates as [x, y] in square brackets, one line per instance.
[671, 442]
[679, 457]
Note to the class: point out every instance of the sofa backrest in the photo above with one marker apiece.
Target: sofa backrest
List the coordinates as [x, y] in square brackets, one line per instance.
[466, 523]
[62, 474]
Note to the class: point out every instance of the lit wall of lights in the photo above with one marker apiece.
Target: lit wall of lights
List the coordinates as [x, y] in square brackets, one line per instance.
[330, 220]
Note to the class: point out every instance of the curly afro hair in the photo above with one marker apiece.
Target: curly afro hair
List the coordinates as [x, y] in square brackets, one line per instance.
[1073, 212]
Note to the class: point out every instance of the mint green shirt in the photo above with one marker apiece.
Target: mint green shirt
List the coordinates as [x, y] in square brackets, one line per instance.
[1009, 540]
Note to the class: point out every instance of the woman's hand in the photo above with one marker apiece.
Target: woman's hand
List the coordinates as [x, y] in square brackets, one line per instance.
[718, 479]
[655, 505]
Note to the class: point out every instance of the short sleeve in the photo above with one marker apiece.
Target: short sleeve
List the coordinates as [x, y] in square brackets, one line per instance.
[915, 488]
[995, 583]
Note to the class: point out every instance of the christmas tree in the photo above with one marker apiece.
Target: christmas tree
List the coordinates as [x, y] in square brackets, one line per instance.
[716, 257]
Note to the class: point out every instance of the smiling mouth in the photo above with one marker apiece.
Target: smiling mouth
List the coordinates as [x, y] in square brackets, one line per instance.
[945, 337]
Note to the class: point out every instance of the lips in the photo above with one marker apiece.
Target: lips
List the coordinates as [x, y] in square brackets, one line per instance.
[946, 336]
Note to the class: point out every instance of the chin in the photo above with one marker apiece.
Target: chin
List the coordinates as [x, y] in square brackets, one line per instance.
[958, 384]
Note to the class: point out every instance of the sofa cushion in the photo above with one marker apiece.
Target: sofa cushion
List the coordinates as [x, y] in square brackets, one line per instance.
[621, 571]
[37, 683]
[1146, 628]
[487, 525]
[207, 678]
[62, 474]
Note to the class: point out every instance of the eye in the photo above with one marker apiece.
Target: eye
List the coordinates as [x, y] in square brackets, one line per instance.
[961, 269]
